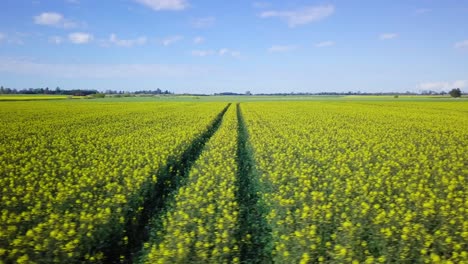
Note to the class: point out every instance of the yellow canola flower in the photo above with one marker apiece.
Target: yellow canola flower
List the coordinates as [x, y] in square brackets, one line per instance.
[208, 195]
[70, 171]
[373, 176]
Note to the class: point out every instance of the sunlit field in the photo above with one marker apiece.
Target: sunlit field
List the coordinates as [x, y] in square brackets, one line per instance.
[250, 132]
[363, 182]
[234, 180]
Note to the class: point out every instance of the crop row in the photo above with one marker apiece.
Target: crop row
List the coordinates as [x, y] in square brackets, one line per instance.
[201, 225]
[289, 182]
[363, 182]
[73, 175]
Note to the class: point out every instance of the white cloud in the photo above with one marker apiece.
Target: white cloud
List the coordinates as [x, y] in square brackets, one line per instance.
[98, 71]
[203, 22]
[324, 44]
[171, 40]
[198, 40]
[159, 5]
[281, 48]
[2, 36]
[56, 40]
[48, 19]
[113, 39]
[443, 86]
[462, 44]
[386, 36]
[223, 51]
[302, 16]
[73, 1]
[80, 37]
[228, 52]
[53, 19]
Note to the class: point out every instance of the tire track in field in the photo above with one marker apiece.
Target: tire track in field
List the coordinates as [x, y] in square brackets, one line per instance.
[254, 232]
[156, 199]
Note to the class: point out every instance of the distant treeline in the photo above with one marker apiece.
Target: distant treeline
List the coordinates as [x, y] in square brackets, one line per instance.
[57, 91]
[75, 92]
[86, 92]
[425, 92]
[360, 93]
[157, 91]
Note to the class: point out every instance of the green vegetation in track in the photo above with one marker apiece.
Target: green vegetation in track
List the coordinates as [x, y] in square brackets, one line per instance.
[201, 225]
[156, 200]
[254, 233]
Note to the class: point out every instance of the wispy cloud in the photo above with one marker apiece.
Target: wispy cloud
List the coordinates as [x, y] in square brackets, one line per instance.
[442, 86]
[202, 53]
[281, 48]
[53, 19]
[221, 52]
[260, 5]
[98, 71]
[203, 22]
[421, 11]
[198, 40]
[324, 44]
[56, 40]
[229, 52]
[80, 38]
[159, 5]
[73, 1]
[113, 39]
[387, 36]
[15, 38]
[301, 16]
[171, 40]
[461, 44]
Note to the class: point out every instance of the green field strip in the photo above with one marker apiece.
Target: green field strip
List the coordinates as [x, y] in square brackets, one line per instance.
[254, 232]
[11, 98]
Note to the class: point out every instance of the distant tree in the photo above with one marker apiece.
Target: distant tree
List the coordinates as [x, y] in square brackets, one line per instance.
[248, 93]
[98, 95]
[2, 90]
[455, 92]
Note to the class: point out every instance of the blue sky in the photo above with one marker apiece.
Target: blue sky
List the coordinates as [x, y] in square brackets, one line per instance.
[215, 46]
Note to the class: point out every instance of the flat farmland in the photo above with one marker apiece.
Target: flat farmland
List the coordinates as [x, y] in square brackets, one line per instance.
[232, 180]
